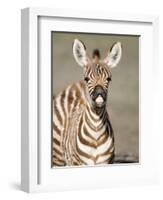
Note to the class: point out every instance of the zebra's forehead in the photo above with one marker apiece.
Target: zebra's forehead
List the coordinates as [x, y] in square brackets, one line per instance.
[98, 69]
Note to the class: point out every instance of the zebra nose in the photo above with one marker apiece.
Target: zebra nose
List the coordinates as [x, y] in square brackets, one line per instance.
[99, 91]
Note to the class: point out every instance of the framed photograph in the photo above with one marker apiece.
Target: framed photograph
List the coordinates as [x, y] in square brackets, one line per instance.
[89, 89]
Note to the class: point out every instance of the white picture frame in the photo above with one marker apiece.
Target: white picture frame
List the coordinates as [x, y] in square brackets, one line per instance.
[36, 172]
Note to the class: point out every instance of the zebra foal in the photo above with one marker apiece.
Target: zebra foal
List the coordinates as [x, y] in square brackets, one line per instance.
[82, 132]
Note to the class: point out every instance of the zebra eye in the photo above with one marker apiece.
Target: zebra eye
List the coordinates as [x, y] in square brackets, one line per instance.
[109, 79]
[86, 79]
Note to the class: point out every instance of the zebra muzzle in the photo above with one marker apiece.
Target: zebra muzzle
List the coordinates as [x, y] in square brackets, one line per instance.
[99, 99]
[99, 96]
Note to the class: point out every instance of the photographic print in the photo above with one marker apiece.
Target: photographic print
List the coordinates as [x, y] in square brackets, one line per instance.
[85, 100]
[95, 99]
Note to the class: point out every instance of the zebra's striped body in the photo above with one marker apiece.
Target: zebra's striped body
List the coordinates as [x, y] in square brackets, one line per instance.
[82, 132]
[81, 136]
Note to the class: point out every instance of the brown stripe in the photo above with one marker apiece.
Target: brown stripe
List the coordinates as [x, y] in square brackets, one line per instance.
[56, 151]
[56, 141]
[88, 70]
[59, 159]
[56, 112]
[79, 162]
[87, 133]
[59, 156]
[56, 129]
[78, 159]
[78, 96]
[106, 131]
[85, 142]
[70, 100]
[102, 139]
[75, 163]
[62, 102]
[78, 93]
[90, 115]
[89, 124]
[107, 152]
[107, 161]
[83, 153]
[58, 163]
[82, 140]
[92, 126]
[101, 114]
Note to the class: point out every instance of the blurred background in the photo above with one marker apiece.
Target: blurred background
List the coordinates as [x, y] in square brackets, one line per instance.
[123, 95]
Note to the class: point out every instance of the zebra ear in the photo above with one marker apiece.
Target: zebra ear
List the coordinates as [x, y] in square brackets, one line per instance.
[114, 55]
[79, 51]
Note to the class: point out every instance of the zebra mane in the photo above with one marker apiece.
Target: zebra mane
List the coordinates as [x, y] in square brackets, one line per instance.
[96, 53]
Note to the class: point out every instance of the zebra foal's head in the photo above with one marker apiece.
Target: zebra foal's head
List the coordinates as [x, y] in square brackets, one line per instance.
[97, 71]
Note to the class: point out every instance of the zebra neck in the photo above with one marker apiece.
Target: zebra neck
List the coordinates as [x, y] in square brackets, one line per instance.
[97, 113]
[96, 120]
